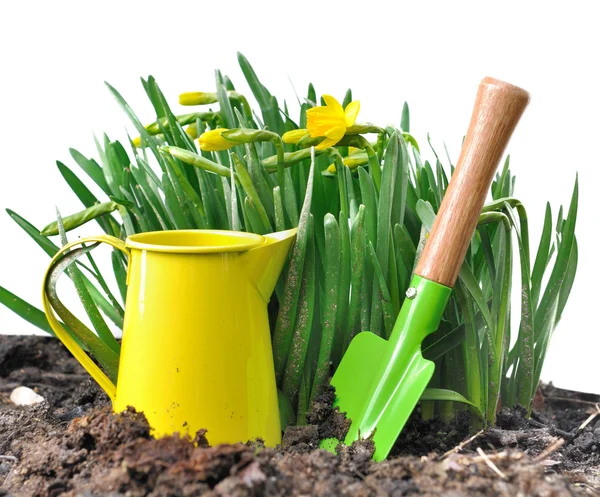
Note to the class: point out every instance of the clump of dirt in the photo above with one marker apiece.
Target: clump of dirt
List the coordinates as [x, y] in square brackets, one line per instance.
[422, 437]
[568, 430]
[72, 445]
[43, 364]
[330, 421]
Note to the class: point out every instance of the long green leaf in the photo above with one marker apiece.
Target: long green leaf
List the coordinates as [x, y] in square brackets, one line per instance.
[25, 310]
[541, 259]
[47, 246]
[83, 293]
[106, 356]
[332, 269]
[390, 170]
[357, 260]
[384, 294]
[286, 318]
[91, 168]
[446, 395]
[303, 324]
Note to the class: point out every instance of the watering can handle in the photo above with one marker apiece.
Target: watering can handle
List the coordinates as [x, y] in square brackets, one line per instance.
[104, 381]
[498, 108]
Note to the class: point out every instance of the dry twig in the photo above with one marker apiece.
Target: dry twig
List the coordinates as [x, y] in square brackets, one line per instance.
[588, 420]
[462, 444]
[553, 447]
[575, 401]
[490, 464]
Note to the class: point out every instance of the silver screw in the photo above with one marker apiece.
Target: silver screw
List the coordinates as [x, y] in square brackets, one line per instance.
[411, 293]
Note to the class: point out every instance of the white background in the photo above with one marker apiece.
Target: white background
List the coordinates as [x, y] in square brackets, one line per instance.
[56, 55]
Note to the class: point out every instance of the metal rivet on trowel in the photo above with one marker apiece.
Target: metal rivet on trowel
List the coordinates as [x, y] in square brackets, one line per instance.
[411, 293]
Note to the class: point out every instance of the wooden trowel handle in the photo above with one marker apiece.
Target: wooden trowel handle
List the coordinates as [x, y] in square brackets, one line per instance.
[498, 108]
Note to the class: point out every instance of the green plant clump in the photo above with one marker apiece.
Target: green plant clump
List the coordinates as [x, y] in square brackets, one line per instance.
[363, 207]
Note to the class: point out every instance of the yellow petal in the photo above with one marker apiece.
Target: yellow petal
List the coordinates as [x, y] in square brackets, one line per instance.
[333, 104]
[137, 142]
[319, 120]
[351, 112]
[326, 143]
[336, 133]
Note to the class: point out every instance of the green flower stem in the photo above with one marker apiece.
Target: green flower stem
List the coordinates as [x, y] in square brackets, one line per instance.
[196, 160]
[343, 188]
[280, 165]
[358, 141]
[361, 129]
[374, 166]
[289, 159]
[246, 182]
[158, 126]
[247, 135]
[380, 146]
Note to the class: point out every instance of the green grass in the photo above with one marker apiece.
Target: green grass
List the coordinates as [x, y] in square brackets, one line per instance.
[361, 230]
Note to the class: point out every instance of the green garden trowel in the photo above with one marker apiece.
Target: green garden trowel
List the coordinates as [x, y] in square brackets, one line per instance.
[379, 382]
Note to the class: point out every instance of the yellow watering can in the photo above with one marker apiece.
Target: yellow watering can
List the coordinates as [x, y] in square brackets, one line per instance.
[196, 350]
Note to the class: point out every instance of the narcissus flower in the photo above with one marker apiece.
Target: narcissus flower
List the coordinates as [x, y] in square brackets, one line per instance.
[294, 136]
[331, 120]
[212, 141]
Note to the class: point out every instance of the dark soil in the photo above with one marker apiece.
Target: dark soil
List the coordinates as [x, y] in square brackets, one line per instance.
[72, 445]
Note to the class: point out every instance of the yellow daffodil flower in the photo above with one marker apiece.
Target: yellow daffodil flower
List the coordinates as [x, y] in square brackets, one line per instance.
[212, 141]
[331, 120]
[294, 136]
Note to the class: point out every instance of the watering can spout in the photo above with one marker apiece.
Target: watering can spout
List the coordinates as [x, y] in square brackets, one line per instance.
[266, 261]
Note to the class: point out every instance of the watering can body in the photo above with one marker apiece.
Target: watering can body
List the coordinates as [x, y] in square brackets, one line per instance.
[196, 349]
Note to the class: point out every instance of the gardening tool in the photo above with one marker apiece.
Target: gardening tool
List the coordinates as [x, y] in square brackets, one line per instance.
[379, 382]
[196, 350]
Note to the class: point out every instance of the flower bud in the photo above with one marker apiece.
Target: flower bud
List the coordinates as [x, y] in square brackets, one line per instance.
[198, 98]
[212, 141]
[294, 136]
